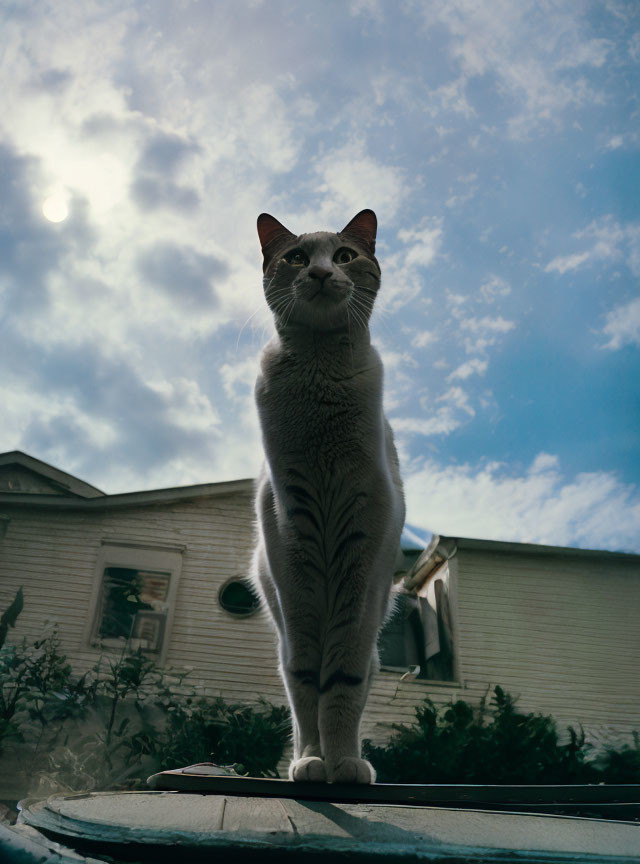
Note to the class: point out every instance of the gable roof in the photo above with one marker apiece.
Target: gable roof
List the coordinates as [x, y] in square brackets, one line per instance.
[60, 490]
[57, 482]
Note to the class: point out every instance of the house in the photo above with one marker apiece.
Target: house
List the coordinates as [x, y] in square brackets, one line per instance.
[165, 570]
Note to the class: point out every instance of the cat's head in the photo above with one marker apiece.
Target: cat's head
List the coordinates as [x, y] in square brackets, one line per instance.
[323, 280]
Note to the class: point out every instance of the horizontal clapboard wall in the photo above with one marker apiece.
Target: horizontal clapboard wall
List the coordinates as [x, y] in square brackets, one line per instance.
[560, 634]
[54, 556]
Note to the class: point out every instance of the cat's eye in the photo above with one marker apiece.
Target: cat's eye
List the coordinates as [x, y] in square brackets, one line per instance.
[296, 258]
[344, 255]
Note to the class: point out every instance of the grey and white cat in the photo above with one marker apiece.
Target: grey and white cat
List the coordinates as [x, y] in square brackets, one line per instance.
[329, 503]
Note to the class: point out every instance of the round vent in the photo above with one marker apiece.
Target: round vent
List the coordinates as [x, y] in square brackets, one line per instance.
[238, 598]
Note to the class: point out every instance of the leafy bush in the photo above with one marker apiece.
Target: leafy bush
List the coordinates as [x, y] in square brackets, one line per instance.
[457, 744]
[120, 721]
[202, 730]
[35, 681]
[9, 618]
[622, 766]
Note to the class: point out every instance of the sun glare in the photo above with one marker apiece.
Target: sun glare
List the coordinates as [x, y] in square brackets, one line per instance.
[55, 209]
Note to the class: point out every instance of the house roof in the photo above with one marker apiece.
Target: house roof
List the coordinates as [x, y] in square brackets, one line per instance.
[64, 491]
[442, 548]
[68, 492]
[57, 481]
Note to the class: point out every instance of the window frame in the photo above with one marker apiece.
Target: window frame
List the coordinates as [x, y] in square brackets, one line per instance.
[154, 557]
[449, 568]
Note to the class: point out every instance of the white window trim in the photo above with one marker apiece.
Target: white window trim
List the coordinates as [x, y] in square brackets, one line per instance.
[138, 556]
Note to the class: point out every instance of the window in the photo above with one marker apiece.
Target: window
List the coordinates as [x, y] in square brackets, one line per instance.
[419, 634]
[134, 596]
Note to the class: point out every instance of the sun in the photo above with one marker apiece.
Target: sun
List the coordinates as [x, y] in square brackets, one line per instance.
[54, 208]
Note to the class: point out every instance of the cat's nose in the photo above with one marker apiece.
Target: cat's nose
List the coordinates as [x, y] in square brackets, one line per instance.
[318, 272]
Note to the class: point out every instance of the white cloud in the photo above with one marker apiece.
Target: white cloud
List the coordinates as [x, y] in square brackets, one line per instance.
[537, 55]
[495, 286]
[266, 117]
[187, 406]
[623, 325]
[370, 8]
[421, 244]
[458, 398]
[349, 179]
[452, 411]
[475, 366]
[441, 423]
[591, 510]
[395, 359]
[544, 462]
[607, 240]
[424, 338]
[563, 263]
[403, 278]
[614, 143]
[239, 378]
[487, 324]
[481, 333]
[22, 405]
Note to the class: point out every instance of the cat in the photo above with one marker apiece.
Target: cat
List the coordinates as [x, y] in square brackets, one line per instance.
[329, 503]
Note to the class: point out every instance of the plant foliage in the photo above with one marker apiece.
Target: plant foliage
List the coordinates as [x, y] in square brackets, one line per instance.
[251, 738]
[124, 719]
[499, 745]
[120, 721]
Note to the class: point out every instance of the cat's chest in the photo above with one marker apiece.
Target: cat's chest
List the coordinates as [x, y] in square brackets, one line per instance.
[311, 413]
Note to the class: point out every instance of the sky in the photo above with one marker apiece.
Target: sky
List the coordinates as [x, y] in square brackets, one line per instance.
[498, 143]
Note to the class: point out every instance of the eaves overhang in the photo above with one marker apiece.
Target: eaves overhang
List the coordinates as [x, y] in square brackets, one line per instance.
[442, 549]
[128, 499]
[67, 483]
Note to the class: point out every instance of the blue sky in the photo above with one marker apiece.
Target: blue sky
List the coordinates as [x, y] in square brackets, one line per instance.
[498, 144]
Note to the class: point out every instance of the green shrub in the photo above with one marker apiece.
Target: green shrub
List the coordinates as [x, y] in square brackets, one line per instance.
[457, 744]
[37, 690]
[621, 766]
[9, 618]
[252, 738]
[121, 721]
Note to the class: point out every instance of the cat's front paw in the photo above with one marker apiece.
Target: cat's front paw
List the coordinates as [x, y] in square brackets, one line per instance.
[352, 770]
[309, 769]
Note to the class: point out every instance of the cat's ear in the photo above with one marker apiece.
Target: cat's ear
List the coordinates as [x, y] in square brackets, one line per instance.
[272, 234]
[363, 227]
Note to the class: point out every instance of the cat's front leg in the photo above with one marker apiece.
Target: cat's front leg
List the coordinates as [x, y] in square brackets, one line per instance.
[300, 667]
[340, 715]
[343, 692]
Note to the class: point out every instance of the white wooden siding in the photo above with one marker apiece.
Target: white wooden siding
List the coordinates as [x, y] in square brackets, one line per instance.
[54, 554]
[559, 633]
[562, 634]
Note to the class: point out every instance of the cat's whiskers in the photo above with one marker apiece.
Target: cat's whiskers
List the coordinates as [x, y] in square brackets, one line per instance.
[260, 308]
[274, 297]
[289, 311]
[381, 314]
[349, 333]
[356, 317]
[277, 296]
[358, 312]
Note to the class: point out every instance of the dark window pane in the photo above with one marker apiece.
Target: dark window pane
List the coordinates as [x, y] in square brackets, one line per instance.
[391, 641]
[125, 594]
